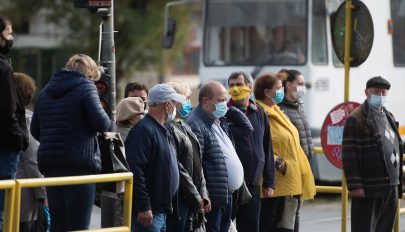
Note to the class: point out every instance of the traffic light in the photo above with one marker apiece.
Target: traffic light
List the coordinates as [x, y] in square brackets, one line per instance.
[105, 92]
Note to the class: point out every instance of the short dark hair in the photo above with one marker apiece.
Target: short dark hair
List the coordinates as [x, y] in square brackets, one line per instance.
[135, 86]
[265, 81]
[205, 91]
[26, 87]
[288, 75]
[4, 21]
[246, 77]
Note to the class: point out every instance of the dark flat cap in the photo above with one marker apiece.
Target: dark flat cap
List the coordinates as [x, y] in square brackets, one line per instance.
[378, 82]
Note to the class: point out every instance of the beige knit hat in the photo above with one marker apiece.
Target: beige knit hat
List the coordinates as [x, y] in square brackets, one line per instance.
[129, 107]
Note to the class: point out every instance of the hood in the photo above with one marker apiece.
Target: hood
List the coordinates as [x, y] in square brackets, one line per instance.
[63, 82]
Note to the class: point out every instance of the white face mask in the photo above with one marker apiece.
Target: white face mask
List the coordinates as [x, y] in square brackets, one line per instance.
[301, 90]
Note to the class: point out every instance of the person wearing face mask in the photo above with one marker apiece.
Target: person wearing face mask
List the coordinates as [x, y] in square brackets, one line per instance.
[255, 151]
[129, 111]
[372, 152]
[223, 171]
[13, 127]
[151, 156]
[292, 105]
[192, 197]
[293, 173]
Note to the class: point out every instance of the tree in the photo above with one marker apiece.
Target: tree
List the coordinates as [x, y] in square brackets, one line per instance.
[139, 26]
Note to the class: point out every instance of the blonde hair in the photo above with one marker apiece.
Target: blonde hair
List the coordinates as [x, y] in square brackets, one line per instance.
[84, 64]
[180, 88]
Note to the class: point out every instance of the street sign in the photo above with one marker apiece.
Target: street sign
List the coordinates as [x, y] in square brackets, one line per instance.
[362, 33]
[92, 3]
[332, 131]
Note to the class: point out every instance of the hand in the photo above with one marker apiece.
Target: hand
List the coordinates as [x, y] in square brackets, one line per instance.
[280, 165]
[267, 192]
[201, 204]
[145, 218]
[207, 206]
[357, 193]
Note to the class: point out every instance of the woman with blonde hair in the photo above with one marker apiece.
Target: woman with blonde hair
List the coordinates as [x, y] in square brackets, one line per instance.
[67, 116]
[294, 177]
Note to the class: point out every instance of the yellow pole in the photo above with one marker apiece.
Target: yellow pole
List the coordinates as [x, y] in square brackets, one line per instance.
[8, 204]
[397, 221]
[347, 59]
[17, 206]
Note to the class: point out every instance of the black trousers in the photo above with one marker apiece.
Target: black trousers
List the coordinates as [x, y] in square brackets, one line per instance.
[248, 215]
[374, 214]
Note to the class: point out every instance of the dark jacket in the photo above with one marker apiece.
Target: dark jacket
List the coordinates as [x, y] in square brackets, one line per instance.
[256, 151]
[363, 155]
[67, 116]
[149, 158]
[213, 159]
[295, 111]
[192, 181]
[13, 128]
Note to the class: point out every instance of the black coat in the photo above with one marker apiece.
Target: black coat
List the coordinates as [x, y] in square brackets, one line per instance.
[13, 127]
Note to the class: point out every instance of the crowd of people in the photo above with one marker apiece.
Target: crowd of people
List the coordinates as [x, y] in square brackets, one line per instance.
[228, 162]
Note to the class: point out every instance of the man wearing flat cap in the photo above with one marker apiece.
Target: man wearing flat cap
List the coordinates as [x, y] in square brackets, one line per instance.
[372, 161]
[152, 159]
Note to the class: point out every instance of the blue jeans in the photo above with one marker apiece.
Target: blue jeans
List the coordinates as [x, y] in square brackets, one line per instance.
[158, 224]
[71, 206]
[219, 219]
[8, 168]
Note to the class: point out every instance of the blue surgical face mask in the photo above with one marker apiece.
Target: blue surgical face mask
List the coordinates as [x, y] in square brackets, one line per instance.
[172, 115]
[376, 101]
[279, 96]
[220, 110]
[185, 109]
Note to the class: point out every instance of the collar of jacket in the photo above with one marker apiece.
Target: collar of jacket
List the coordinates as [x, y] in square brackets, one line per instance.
[252, 107]
[295, 104]
[204, 116]
[5, 58]
[152, 119]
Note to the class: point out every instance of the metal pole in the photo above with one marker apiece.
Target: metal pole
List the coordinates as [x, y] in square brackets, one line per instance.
[107, 57]
[347, 59]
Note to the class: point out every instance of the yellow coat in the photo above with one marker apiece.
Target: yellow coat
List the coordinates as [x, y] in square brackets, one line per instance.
[298, 179]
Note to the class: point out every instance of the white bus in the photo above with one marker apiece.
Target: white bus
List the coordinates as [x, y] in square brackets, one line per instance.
[258, 36]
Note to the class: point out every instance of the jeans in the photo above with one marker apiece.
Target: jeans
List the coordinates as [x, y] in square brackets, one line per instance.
[158, 224]
[176, 223]
[219, 219]
[247, 219]
[71, 206]
[8, 168]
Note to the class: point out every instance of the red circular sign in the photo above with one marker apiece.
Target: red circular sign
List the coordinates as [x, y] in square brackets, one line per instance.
[332, 131]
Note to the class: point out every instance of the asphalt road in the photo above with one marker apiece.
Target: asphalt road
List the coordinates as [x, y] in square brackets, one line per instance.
[320, 215]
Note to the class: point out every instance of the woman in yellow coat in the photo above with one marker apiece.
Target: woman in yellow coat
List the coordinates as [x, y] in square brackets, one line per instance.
[294, 177]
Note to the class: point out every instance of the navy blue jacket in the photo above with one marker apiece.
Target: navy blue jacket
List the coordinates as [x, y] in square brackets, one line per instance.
[256, 151]
[213, 159]
[67, 116]
[149, 158]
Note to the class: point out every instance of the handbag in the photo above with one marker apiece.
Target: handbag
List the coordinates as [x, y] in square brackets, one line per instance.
[113, 160]
[112, 153]
[41, 224]
[244, 195]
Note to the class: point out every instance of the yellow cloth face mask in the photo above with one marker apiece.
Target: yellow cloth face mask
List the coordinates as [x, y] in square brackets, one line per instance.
[239, 92]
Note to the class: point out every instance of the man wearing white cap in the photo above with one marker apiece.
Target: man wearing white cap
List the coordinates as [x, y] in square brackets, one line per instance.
[152, 159]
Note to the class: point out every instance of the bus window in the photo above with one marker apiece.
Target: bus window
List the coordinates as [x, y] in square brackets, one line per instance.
[255, 32]
[398, 38]
[319, 44]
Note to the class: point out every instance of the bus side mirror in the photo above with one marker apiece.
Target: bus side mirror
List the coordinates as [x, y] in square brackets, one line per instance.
[170, 33]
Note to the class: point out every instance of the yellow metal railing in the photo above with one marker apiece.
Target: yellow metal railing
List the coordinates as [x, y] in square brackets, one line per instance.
[18, 184]
[9, 187]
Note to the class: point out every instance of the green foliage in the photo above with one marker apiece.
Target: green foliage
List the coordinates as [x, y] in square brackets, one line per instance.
[139, 31]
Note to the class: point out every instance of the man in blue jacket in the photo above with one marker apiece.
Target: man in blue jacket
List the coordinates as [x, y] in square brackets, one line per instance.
[254, 151]
[13, 128]
[223, 170]
[152, 159]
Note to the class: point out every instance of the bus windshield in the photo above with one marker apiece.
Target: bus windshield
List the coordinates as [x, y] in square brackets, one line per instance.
[255, 32]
